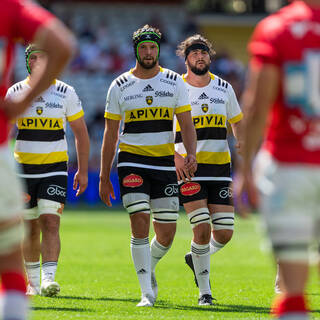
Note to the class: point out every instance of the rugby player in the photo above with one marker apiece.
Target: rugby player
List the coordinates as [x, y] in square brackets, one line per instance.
[208, 196]
[282, 104]
[147, 98]
[21, 20]
[41, 150]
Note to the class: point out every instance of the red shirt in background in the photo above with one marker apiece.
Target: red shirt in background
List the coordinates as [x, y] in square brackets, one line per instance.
[290, 39]
[19, 21]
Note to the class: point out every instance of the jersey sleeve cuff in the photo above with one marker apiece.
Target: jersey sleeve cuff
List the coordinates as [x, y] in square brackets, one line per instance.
[75, 116]
[236, 118]
[183, 109]
[112, 116]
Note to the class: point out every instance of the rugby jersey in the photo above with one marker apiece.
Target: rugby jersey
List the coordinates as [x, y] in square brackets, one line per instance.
[212, 107]
[41, 146]
[147, 108]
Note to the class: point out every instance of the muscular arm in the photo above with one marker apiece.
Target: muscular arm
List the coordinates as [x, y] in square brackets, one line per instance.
[59, 44]
[258, 98]
[108, 151]
[189, 138]
[82, 143]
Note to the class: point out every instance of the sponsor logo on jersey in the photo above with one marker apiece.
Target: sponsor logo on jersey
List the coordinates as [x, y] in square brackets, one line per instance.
[40, 123]
[132, 97]
[204, 107]
[217, 100]
[190, 188]
[149, 100]
[39, 110]
[163, 94]
[127, 86]
[225, 192]
[63, 96]
[132, 181]
[219, 89]
[212, 120]
[203, 96]
[168, 82]
[149, 113]
[53, 105]
[171, 189]
[55, 190]
[148, 88]
[195, 103]
[39, 99]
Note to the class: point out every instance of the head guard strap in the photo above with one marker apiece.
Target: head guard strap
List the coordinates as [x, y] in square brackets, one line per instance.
[196, 46]
[145, 36]
[31, 48]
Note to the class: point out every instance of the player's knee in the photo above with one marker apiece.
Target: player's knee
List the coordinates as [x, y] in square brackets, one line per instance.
[291, 252]
[223, 221]
[165, 210]
[202, 233]
[199, 216]
[50, 207]
[136, 202]
[11, 237]
[223, 236]
[165, 235]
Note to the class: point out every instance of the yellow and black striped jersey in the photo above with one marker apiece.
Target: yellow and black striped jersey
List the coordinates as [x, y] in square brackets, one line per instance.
[147, 108]
[212, 107]
[41, 146]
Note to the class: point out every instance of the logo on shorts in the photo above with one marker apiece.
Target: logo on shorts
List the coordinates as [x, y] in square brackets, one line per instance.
[39, 110]
[190, 188]
[171, 189]
[26, 197]
[132, 181]
[55, 190]
[225, 192]
[149, 100]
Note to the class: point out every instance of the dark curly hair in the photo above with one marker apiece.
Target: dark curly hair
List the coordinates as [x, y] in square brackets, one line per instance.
[145, 29]
[197, 38]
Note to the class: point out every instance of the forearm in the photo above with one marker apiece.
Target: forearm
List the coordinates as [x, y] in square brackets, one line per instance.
[108, 152]
[189, 139]
[82, 149]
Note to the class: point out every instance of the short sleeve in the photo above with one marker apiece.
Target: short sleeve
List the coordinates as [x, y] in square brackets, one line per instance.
[74, 109]
[234, 113]
[183, 102]
[28, 18]
[264, 44]
[112, 110]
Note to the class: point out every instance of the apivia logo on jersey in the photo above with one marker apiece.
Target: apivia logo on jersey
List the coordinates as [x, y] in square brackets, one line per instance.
[40, 123]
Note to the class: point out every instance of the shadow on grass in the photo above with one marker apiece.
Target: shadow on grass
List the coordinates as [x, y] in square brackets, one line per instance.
[163, 304]
[61, 309]
[99, 299]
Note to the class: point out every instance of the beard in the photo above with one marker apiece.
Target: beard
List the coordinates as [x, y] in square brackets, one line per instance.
[199, 71]
[147, 66]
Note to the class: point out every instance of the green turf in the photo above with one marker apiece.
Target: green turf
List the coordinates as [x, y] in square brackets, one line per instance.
[98, 280]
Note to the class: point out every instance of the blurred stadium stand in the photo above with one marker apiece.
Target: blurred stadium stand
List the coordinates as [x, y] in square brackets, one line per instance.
[104, 30]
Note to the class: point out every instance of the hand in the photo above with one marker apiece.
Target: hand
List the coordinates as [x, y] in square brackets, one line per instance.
[190, 163]
[245, 193]
[105, 191]
[182, 173]
[80, 181]
[13, 109]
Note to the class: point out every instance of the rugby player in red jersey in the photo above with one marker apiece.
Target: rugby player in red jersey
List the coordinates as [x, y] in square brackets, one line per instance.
[25, 21]
[282, 100]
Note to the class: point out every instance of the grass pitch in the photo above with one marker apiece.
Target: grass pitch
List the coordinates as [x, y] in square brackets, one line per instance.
[98, 280]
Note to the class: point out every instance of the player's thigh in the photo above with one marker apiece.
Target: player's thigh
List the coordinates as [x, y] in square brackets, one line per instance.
[52, 195]
[164, 200]
[134, 189]
[289, 203]
[11, 193]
